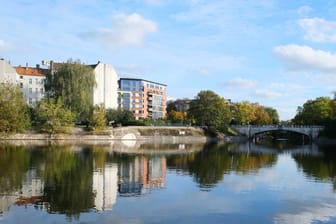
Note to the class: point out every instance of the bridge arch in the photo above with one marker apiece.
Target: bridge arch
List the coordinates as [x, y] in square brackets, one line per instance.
[250, 130]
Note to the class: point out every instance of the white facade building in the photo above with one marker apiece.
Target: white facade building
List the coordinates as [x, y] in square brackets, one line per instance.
[31, 82]
[7, 72]
[105, 91]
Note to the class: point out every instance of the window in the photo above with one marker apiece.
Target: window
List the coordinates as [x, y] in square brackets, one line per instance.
[30, 90]
[30, 81]
[21, 76]
[36, 81]
[21, 85]
[30, 101]
[41, 90]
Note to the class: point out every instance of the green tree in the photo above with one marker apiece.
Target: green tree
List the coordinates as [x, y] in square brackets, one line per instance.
[51, 117]
[14, 116]
[314, 112]
[244, 113]
[273, 114]
[171, 106]
[123, 117]
[211, 110]
[98, 120]
[73, 82]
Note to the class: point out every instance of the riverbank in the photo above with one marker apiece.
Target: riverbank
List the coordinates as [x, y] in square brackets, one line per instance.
[169, 135]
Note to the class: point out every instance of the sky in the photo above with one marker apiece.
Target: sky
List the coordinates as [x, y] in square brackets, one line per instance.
[278, 53]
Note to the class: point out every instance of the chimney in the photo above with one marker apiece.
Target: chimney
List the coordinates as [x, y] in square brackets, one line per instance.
[26, 65]
[37, 66]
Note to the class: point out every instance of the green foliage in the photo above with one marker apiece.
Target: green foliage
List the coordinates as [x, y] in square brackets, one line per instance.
[98, 119]
[73, 82]
[273, 113]
[253, 113]
[51, 117]
[14, 116]
[209, 109]
[171, 107]
[123, 117]
[314, 112]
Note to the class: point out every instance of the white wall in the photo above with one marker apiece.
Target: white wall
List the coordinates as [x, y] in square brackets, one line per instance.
[7, 72]
[106, 88]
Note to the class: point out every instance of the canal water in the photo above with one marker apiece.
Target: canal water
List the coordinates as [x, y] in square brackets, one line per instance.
[168, 183]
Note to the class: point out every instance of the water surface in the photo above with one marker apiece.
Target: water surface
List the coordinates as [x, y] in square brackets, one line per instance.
[182, 183]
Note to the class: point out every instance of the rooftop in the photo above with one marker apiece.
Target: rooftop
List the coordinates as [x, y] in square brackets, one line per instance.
[30, 71]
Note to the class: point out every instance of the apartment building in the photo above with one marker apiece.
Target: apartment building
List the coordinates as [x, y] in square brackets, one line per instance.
[31, 81]
[146, 99]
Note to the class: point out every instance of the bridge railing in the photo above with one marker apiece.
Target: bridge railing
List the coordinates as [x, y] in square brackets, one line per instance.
[277, 126]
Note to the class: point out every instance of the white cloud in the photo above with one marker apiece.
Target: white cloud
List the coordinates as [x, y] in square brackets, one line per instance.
[127, 30]
[320, 212]
[239, 83]
[266, 94]
[319, 30]
[305, 58]
[304, 10]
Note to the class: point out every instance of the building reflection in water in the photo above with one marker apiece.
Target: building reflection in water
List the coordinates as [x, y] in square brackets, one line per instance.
[141, 175]
[105, 187]
[134, 177]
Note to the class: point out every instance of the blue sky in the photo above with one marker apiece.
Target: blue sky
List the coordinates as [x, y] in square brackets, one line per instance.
[279, 53]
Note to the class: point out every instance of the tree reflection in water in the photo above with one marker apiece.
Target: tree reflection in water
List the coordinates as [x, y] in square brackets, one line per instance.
[209, 166]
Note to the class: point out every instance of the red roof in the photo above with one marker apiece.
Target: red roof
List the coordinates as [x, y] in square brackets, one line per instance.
[30, 71]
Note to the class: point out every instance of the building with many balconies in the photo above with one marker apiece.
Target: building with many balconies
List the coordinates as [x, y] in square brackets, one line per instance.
[146, 99]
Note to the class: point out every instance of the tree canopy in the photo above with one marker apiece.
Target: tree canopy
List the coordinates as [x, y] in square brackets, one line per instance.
[14, 115]
[211, 110]
[253, 113]
[73, 82]
[315, 112]
[51, 117]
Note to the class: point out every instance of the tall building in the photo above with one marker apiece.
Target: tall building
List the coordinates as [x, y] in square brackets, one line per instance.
[146, 99]
[31, 82]
[105, 91]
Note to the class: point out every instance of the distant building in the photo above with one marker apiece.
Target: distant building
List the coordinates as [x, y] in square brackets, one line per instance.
[29, 79]
[7, 72]
[31, 82]
[182, 105]
[105, 91]
[146, 99]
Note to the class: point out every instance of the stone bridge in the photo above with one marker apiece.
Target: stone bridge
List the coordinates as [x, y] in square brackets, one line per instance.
[251, 130]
